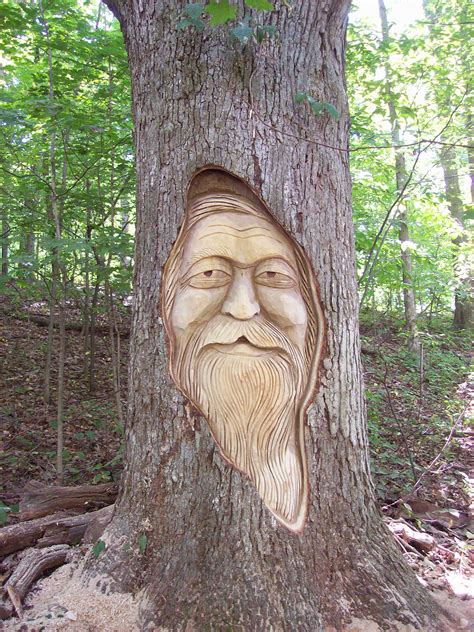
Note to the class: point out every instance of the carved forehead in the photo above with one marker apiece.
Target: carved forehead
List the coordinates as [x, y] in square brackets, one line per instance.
[244, 238]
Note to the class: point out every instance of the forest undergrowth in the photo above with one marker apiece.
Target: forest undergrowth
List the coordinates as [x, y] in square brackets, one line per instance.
[419, 417]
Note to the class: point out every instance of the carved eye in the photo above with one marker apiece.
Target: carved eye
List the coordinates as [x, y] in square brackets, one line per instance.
[271, 278]
[209, 279]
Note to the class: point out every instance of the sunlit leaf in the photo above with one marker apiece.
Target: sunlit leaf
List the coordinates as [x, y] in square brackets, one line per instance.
[220, 12]
[260, 5]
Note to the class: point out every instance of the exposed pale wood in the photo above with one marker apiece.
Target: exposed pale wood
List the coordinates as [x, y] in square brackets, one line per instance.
[246, 330]
[39, 500]
[31, 567]
[420, 540]
[46, 531]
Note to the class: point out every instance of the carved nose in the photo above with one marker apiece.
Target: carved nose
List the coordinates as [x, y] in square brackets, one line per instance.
[241, 302]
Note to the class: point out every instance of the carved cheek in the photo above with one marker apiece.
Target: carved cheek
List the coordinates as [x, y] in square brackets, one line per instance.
[287, 310]
[193, 306]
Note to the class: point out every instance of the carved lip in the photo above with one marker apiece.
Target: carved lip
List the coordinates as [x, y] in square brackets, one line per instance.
[243, 347]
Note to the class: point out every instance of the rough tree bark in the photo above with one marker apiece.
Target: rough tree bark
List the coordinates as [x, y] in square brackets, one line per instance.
[215, 559]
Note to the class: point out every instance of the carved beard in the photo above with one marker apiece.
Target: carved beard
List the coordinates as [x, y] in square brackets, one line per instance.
[251, 405]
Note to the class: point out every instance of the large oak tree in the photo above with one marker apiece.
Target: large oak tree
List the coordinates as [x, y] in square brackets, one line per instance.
[188, 529]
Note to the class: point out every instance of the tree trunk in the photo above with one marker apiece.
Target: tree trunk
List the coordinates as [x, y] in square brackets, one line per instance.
[401, 177]
[5, 240]
[213, 556]
[462, 297]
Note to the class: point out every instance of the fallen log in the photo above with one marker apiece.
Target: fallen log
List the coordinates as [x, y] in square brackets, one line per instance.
[39, 500]
[34, 563]
[97, 525]
[8, 565]
[46, 531]
[43, 320]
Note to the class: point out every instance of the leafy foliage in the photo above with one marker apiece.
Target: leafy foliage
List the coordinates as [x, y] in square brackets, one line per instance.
[429, 97]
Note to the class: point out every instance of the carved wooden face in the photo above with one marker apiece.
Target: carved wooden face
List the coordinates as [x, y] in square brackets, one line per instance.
[242, 267]
[245, 341]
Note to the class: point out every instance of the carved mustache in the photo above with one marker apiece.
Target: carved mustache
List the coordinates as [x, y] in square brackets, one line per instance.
[258, 332]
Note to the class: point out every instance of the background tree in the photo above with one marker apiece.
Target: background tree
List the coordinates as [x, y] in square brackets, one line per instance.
[66, 129]
[449, 33]
[416, 74]
[401, 181]
[188, 528]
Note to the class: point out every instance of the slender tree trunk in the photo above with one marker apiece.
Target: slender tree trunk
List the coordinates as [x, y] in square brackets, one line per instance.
[114, 337]
[52, 320]
[86, 304]
[52, 299]
[409, 301]
[30, 252]
[5, 233]
[214, 557]
[60, 393]
[470, 155]
[462, 298]
[92, 345]
[56, 207]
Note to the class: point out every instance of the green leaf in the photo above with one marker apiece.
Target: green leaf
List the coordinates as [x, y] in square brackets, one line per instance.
[331, 110]
[142, 543]
[265, 30]
[315, 106]
[194, 10]
[220, 12]
[260, 5]
[184, 23]
[4, 514]
[98, 547]
[318, 107]
[242, 32]
[300, 97]
[469, 212]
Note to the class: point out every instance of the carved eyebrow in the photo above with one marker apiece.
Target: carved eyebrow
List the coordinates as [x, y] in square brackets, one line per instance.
[207, 253]
[221, 232]
[281, 260]
[239, 230]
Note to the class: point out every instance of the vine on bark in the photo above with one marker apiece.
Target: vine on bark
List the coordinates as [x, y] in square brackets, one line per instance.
[221, 12]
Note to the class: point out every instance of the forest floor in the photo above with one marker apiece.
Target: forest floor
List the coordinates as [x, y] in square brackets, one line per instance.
[418, 417]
